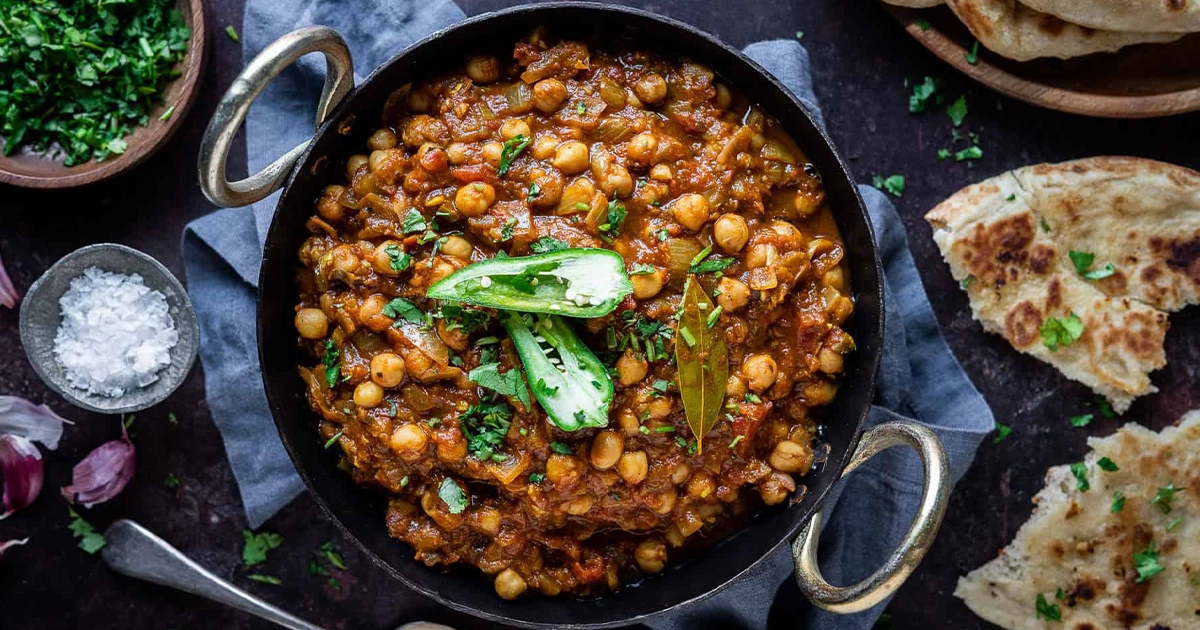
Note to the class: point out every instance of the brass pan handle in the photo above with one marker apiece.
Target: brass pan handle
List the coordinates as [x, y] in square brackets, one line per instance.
[935, 493]
[231, 112]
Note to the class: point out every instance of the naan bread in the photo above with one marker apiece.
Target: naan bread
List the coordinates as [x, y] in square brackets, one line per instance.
[1018, 32]
[1075, 542]
[1012, 234]
[1136, 16]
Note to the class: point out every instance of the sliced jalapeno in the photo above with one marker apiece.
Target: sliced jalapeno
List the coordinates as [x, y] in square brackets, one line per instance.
[569, 382]
[573, 282]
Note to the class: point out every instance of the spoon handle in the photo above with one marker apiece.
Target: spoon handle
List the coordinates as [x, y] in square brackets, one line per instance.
[132, 550]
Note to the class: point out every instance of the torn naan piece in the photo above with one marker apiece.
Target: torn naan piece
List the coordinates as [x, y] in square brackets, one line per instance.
[1008, 240]
[1121, 554]
[1135, 16]
[1018, 32]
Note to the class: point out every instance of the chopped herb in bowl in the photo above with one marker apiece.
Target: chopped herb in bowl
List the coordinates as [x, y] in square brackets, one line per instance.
[77, 77]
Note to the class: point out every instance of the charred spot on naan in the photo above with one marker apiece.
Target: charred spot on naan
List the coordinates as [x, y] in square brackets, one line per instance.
[1180, 254]
[994, 251]
[1041, 259]
[1021, 324]
[1141, 334]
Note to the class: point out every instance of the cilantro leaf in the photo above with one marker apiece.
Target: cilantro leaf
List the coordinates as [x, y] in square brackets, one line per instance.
[453, 496]
[1060, 332]
[893, 184]
[1106, 410]
[1165, 497]
[507, 383]
[1083, 265]
[1081, 421]
[332, 555]
[1002, 431]
[972, 56]
[259, 577]
[536, 477]
[561, 449]
[232, 33]
[1045, 610]
[1146, 563]
[548, 244]
[397, 259]
[413, 222]
[957, 110]
[172, 482]
[1080, 470]
[486, 424]
[970, 153]
[90, 540]
[1107, 465]
[512, 148]
[256, 546]
[922, 92]
[401, 307]
[1118, 501]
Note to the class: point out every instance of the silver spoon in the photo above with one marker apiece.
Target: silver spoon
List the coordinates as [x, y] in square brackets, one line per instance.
[134, 551]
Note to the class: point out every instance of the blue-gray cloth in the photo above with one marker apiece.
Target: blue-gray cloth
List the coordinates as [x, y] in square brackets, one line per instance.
[222, 253]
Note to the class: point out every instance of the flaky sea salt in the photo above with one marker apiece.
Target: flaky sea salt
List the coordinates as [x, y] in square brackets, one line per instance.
[116, 333]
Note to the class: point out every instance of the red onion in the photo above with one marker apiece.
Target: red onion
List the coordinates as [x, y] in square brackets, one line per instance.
[21, 464]
[8, 294]
[11, 543]
[103, 474]
[33, 422]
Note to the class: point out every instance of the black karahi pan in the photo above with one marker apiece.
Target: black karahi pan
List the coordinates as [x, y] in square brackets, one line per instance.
[345, 117]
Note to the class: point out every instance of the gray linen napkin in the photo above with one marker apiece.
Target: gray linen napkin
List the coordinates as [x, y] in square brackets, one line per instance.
[222, 254]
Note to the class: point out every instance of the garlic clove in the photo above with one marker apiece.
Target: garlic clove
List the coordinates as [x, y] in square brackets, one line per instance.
[21, 465]
[103, 474]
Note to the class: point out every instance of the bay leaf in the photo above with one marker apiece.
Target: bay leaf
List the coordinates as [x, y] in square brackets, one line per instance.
[702, 359]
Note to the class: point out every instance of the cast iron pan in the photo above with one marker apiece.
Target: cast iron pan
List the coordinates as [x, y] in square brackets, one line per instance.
[360, 511]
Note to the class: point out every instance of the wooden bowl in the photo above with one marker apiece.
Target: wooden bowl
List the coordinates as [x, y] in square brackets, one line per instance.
[31, 170]
[1143, 81]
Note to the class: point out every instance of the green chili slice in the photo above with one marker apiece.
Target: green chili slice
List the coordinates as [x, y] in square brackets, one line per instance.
[572, 282]
[569, 382]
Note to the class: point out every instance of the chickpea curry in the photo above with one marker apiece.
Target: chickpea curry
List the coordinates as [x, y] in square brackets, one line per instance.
[574, 310]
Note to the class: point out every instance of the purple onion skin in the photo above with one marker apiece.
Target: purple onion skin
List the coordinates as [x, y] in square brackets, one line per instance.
[23, 470]
[103, 474]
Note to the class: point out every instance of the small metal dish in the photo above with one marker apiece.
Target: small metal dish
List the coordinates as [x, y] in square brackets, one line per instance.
[41, 316]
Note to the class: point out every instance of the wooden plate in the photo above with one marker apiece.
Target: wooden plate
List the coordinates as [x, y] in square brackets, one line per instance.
[31, 170]
[1143, 81]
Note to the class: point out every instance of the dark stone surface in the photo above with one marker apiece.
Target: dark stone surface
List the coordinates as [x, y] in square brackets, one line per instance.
[861, 59]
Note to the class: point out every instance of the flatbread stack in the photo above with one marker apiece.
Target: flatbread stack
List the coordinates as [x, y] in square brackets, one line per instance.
[1121, 554]
[1029, 29]
[1015, 243]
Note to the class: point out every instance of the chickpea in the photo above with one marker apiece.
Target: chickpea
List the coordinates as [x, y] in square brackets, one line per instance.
[724, 96]
[664, 502]
[607, 447]
[544, 147]
[651, 88]
[761, 255]
[562, 468]
[312, 323]
[419, 366]
[790, 457]
[355, 162]
[661, 173]
[701, 485]
[329, 207]
[835, 278]
[381, 258]
[509, 584]
[387, 369]
[440, 270]
[514, 127]
[580, 505]
[628, 421]
[492, 152]
[483, 68]
[548, 94]
[487, 520]
[760, 371]
[457, 339]
[830, 362]
[610, 175]
[344, 259]
[633, 467]
[640, 151]
[681, 473]
[370, 313]
[691, 211]
[433, 158]
[579, 191]
[549, 187]
[451, 445]
[734, 294]
[651, 556]
[458, 247]
[571, 157]
[776, 488]
[408, 438]
[382, 140]
[368, 394]
[418, 102]
[658, 408]
[731, 232]
[631, 368]
[376, 159]
[735, 387]
[474, 199]
[647, 285]
[456, 153]
[819, 392]
[839, 309]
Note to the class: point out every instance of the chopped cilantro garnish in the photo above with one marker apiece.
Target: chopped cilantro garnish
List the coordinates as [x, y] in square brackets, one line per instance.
[1002, 431]
[510, 383]
[943, 154]
[256, 546]
[537, 477]
[232, 33]
[1146, 563]
[172, 482]
[922, 93]
[1083, 266]
[1175, 523]
[972, 152]
[893, 184]
[333, 440]
[1060, 332]
[614, 219]
[259, 577]
[512, 148]
[560, 448]
[580, 108]
[453, 496]
[1081, 421]
[972, 56]
[486, 423]
[957, 110]
[1046, 610]
[1107, 465]
[401, 307]
[1165, 497]
[548, 244]
[923, 24]
[1118, 501]
[1106, 410]
[90, 540]
[413, 222]
[534, 191]
[1080, 470]
[332, 555]
[397, 259]
[966, 283]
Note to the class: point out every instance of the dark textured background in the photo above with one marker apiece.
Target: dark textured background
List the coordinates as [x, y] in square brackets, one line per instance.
[861, 59]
